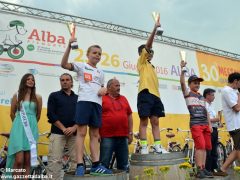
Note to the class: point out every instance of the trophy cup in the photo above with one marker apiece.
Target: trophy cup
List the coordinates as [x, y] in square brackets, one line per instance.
[156, 17]
[72, 31]
[183, 58]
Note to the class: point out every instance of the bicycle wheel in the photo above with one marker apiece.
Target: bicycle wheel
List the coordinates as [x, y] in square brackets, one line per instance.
[221, 152]
[137, 148]
[3, 161]
[186, 151]
[176, 148]
[87, 161]
[15, 52]
[113, 162]
[37, 171]
[1, 49]
[192, 156]
[228, 148]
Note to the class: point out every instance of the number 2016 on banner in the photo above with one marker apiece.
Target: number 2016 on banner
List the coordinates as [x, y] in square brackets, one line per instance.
[210, 73]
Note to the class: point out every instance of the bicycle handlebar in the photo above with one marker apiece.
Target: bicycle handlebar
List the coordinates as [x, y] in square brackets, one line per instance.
[136, 134]
[46, 133]
[164, 129]
[181, 130]
[44, 143]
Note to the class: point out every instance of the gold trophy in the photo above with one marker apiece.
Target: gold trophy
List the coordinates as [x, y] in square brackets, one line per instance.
[72, 31]
[183, 58]
[156, 17]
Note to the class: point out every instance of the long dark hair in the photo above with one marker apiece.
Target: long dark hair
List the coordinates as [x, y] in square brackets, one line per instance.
[22, 91]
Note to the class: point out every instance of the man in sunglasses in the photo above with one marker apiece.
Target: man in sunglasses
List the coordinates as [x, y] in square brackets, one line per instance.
[117, 124]
[200, 124]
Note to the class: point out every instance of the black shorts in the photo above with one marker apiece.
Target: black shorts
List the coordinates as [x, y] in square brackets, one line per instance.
[88, 113]
[149, 105]
[235, 134]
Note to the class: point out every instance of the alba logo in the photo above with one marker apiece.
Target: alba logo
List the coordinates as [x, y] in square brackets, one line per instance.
[46, 36]
[6, 68]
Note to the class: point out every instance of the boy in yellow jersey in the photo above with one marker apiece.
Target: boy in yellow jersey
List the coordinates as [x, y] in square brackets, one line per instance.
[149, 103]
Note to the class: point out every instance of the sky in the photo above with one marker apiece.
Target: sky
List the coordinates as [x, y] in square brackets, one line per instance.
[214, 23]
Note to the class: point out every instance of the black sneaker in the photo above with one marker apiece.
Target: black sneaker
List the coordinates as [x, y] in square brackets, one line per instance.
[208, 174]
[201, 174]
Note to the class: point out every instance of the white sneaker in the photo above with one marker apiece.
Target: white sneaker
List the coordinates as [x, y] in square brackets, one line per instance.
[159, 149]
[144, 149]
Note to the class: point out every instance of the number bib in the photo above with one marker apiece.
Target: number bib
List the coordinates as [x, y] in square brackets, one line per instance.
[87, 77]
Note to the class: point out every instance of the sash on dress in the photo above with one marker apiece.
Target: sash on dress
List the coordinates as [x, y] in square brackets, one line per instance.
[28, 131]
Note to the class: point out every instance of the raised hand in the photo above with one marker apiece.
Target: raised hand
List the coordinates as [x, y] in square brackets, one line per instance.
[71, 40]
[183, 64]
[102, 91]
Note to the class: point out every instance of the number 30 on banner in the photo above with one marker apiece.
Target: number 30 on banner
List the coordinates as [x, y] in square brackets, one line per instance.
[209, 73]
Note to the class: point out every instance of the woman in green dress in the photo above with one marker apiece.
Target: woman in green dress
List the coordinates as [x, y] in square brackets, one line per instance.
[19, 147]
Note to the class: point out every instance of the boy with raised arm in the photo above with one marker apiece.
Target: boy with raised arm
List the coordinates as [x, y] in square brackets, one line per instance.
[200, 124]
[149, 103]
[89, 106]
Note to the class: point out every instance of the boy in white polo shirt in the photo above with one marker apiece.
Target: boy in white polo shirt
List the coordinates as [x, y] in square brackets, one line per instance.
[89, 106]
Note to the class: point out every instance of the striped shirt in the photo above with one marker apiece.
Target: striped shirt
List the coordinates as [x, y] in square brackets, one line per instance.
[196, 107]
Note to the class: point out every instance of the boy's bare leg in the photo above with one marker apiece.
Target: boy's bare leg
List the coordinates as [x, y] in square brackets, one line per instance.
[94, 143]
[143, 128]
[204, 157]
[199, 158]
[81, 134]
[155, 127]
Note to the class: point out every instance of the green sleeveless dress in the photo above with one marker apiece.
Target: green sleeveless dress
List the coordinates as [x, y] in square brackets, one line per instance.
[18, 140]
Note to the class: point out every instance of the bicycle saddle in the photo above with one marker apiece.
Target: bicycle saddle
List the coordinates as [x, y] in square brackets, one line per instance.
[7, 135]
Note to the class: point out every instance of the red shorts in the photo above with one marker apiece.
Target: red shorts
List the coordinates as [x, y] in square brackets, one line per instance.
[201, 135]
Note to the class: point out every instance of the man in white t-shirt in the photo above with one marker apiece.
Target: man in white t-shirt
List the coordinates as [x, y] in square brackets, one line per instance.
[231, 110]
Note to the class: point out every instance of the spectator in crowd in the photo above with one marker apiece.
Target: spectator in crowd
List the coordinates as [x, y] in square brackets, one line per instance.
[212, 155]
[200, 124]
[231, 111]
[117, 124]
[26, 107]
[89, 106]
[60, 111]
[149, 103]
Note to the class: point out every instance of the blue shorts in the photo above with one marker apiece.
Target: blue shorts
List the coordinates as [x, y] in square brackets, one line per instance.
[88, 113]
[149, 105]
